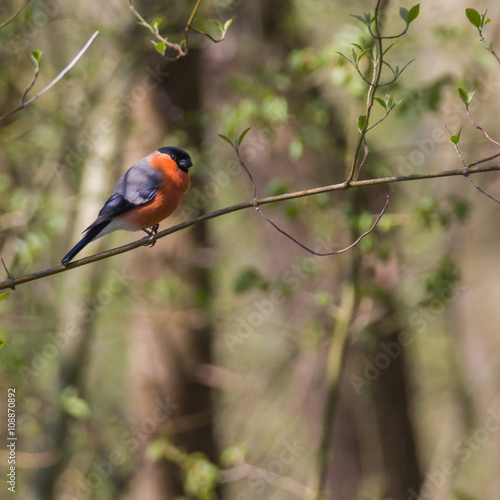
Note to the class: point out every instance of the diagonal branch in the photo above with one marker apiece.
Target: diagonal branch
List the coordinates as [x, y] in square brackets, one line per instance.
[16, 13]
[55, 80]
[10, 283]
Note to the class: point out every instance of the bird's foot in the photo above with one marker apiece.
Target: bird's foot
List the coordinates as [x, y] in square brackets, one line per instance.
[151, 232]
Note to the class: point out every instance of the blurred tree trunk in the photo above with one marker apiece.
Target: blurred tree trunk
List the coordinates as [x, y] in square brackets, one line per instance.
[396, 460]
[170, 339]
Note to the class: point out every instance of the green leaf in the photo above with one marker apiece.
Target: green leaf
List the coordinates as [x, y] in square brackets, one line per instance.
[484, 21]
[2, 342]
[3, 295]
[474, 18]
[160, 47]
[156, 24]
[380, 101]
[36, 55]
[242, 135]
[455, 138]
[217, 23]
[76, 407]
[226, 139]
[390, 47]
[461, 495]
[413, 13]
[404, 14]
[359, 18]
[228, 23]
[345, 57]
[245, 280]
[361, 123]
[465, 97]
[146, 25]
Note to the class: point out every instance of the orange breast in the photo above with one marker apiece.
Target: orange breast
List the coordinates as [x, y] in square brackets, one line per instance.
[168, 197]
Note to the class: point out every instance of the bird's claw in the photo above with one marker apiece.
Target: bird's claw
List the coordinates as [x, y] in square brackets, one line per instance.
[151, 232]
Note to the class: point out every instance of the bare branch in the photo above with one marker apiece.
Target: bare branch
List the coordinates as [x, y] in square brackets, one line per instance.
[55, 80]
[10, 283]
[30, 86]
[481, 129]
[467, 175]
[13, 16]
[288, 235]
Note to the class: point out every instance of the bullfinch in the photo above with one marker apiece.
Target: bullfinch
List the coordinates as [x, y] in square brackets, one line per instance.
[144, 195]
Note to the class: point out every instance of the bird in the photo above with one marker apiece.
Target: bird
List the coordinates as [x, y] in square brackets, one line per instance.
[147, 193]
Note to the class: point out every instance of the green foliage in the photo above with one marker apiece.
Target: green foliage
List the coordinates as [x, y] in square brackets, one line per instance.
[234, 455]
[361, 123]
[160, 47]
[200, 476]
[441, 282]
[236, 142]
[222, 27]
[277, 186]
[465, 97]
[246, 279]
[455, 138]
[74, 405]
[3, 295]
[2, 342]
[323, 298]
[36, 55]
[408, 16]
[476, 19]
[461, 495]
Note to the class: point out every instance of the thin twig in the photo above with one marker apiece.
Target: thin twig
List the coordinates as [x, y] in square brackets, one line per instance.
[242, 206]
[335, 252]
[30, 86]
[16, 13]
[174, 46]
[9, 275]
[377, 72]
[365, 154]
[481, 129]
[488, 47]
[180, 49]
[467, 175]
[209, 36]
[484, 160]
[288, 235]
[55, 80]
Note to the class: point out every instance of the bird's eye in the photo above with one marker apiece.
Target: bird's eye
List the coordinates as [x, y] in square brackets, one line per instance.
[173, 157]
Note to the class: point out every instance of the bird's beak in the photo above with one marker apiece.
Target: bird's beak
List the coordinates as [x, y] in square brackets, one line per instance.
[185, 164]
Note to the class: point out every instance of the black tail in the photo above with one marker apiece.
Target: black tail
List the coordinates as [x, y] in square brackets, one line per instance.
[91, 235]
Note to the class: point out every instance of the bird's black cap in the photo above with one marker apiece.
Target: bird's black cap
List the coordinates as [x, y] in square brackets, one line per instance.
[180, 157]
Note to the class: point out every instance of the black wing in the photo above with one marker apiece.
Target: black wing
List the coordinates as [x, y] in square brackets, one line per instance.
[136, 187]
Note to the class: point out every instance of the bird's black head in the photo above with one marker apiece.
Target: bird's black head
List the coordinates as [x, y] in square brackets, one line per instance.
[180, 157]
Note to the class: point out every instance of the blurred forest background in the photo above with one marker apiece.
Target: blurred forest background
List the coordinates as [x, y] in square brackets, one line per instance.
[226, 362]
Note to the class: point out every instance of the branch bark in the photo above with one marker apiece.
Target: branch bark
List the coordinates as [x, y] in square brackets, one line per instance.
[12, 282]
